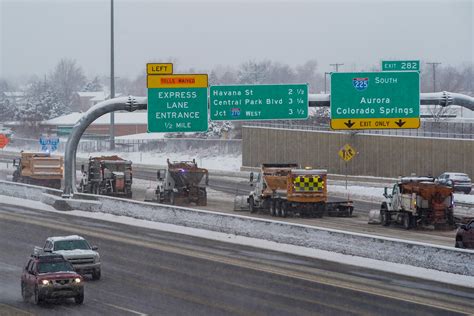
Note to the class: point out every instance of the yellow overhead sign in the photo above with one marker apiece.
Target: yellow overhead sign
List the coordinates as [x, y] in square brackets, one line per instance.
[177, 81]
[347, 152]
[159, 69]
[375, 123]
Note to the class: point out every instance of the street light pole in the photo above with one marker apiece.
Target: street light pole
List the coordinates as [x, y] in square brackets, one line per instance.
[434, 64]
[112, 76]
[336, 66]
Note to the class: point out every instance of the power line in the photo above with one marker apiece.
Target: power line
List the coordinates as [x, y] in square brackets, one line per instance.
[336, 66]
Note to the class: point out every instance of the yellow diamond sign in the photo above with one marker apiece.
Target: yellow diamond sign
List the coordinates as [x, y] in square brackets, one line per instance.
[347, 152]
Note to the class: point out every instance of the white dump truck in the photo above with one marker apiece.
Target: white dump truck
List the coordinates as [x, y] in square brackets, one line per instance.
[418, 201]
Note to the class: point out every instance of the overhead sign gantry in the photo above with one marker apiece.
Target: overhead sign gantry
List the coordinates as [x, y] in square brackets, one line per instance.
[177, 103]
[258, 102]
[375, 100]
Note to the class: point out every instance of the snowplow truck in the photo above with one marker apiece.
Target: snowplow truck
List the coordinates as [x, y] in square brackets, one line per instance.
[418, 201]
[286, 189]
[182, 183]
[39, 169]
[107, 175]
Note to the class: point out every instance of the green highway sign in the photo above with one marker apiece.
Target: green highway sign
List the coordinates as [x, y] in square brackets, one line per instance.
[177, 110]
[258, 102]
[375, 100]
[400, 65]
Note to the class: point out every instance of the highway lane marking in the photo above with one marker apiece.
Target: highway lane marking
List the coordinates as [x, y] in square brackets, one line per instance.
[122, 308]
[16, 310]
[240, 263]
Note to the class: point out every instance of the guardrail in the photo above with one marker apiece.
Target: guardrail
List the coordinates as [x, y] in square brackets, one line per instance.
[447, 259]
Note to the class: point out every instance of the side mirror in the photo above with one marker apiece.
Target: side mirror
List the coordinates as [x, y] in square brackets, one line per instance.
[463, 226]
[207, 178]
[95, 248]
[158, 175]
[385, 193]
[82, 168]
[14, 162]
[251, 176]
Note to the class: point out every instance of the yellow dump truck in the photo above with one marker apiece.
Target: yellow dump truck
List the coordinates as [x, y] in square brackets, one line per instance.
[39, 169]
[286, 189]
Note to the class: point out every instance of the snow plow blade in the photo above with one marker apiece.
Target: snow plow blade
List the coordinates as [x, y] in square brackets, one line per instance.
[374, 217]
[240, 203]
[150, 195]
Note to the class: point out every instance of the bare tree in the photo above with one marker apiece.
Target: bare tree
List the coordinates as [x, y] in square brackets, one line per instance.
[67, 78]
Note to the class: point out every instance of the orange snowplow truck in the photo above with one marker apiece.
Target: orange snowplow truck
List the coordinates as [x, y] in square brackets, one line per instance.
[39, 169]
[286, 189]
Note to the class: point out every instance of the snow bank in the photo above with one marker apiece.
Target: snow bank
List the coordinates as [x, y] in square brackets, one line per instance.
[422, 273]
[387, 249]
[416, 254]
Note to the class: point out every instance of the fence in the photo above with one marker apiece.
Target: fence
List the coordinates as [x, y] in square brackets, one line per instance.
[462, 130]
[221, 146]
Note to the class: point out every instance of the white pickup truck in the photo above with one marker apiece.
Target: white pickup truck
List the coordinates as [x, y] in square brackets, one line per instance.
[84, 258]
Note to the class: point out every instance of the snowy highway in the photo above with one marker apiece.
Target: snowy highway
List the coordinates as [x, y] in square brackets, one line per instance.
[149, 272]
[224, 202]
[222, 189]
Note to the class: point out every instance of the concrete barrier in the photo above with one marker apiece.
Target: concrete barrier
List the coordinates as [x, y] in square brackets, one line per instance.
[447, 259]
[386, 249]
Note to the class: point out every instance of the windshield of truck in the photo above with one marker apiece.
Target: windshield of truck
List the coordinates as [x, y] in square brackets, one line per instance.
[55, 266]
[71, 245]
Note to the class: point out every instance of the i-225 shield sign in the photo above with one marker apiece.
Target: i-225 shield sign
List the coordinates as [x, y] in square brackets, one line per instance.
[360, 83]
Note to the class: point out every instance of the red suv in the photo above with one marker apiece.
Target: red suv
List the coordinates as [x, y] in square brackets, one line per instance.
[50, 276]
[465, 236]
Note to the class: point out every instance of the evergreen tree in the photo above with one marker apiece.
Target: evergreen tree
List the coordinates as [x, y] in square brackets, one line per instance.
[42, 103]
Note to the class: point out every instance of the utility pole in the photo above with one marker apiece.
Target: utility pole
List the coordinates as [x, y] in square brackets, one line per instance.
[434, 64]
[112, 77]
[336, 66]
[325, 74]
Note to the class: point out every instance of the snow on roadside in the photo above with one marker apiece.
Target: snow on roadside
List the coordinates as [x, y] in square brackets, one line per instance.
[209, 160]
[402, 269]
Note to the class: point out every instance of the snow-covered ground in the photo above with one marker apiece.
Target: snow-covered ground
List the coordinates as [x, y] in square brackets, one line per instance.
[212, 161]
[402, 269]
[206, 159]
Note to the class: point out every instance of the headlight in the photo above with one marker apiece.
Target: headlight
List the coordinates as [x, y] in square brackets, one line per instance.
[45, 282]
[77, 280]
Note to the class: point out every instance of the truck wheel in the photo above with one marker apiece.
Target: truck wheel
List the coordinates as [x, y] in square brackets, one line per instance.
[273, 208]
[16, 176]
[79, 299]
[283, 210]
[459, 244]
[252, 205]
[407, 221]
[96, 275]
[278, 208]
[384, 218]
[24, 293]
[38, 299]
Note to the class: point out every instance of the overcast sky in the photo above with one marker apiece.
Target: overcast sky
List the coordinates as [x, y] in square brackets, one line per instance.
[35, 34]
